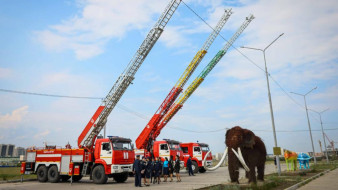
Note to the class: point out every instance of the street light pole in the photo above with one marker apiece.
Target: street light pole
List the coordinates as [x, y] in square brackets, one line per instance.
[321, 123]
[308, 122]
[269, 95]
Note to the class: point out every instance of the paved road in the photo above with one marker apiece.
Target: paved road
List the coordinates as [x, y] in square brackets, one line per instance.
[328, 181]
[221, 175]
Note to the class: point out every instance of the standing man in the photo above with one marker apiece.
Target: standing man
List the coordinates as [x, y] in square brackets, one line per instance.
[137, 171]
[189, 165]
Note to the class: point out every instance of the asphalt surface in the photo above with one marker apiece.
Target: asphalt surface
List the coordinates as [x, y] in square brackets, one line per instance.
[218, 176]
[328, 181]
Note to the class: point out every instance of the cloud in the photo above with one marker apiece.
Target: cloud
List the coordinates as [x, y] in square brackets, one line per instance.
[87, 33]
[174, 36]
[41, 134]
[11, 120]
[5, 73]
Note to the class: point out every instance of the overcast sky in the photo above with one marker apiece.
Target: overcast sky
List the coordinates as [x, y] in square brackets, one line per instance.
[79, 48]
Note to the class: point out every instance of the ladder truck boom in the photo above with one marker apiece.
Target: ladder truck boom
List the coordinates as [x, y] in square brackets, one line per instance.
[99, 119]
[142, 142]
[194, 85]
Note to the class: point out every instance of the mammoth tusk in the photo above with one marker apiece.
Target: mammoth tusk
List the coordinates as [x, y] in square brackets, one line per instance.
[219, 163]
[241, 159]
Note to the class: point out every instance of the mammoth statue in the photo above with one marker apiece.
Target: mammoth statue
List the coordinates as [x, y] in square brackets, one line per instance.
[250, 154]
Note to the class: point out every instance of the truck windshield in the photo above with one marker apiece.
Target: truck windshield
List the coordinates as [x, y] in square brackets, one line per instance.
[175, 147]
[205, 148]
[121, 146]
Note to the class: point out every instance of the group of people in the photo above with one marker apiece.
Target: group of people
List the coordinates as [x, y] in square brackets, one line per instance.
[151, 170]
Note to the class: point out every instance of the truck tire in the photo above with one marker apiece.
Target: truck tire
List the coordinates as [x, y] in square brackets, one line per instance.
[77, 178]
[98, 175]
[41, 174]
[53, 174]
[202, 169]
[195, 167]
[65, 178]
[121, 177]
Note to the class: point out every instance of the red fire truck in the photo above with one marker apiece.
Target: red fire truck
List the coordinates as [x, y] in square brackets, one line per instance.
[111, 157]
[197, 151]
[163, 149]
[99, 158]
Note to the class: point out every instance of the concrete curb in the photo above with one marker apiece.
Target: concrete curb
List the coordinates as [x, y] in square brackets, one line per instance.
[296, 186]
[17, 180]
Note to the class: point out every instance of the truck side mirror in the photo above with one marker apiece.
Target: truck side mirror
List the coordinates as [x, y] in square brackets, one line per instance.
[132, 146]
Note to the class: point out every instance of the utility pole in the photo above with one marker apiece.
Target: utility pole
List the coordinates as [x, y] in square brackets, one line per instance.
[321, 123]
[269, 95]
[308, 121]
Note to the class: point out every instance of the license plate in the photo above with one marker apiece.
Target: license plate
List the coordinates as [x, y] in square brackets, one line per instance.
[125, 169]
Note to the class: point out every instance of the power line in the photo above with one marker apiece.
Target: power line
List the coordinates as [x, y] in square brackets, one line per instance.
[222, 36]
[142, 116]
[49, 95]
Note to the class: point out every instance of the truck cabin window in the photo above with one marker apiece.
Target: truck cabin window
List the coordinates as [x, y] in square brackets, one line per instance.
[122, 146]
[175, 147]
[164, 147]
[205, 148]
[185, 149]
[197, 149]
[106, 146]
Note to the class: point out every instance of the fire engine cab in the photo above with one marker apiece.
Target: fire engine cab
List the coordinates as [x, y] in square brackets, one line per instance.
[197, 151]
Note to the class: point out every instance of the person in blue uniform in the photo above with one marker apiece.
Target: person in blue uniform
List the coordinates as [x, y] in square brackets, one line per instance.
[137, 171]
[171, 167]
[143, 170]
[177, 168]
[157, 170]
[152, 175]
[189, 166]
[148, 171]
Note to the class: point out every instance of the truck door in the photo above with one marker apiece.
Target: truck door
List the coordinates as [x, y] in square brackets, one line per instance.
[164, 151]
[197, 153]
[106, 153]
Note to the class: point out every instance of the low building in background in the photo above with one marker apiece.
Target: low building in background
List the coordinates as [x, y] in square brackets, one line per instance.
[19, 151]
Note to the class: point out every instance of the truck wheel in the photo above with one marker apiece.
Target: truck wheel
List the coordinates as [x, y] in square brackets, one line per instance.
[202, 170]
[53, 174]
[98, 175]
[41, 174]
[194, 167]
[65, 178]
[120, 178]
[77, 177]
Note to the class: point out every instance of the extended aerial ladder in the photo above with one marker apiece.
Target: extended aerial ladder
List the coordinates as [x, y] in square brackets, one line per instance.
[195, 84]
[145, 139]
[99, 119]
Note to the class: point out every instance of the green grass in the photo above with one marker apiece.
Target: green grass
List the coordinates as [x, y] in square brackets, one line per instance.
[13, 173]
[275, 182]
